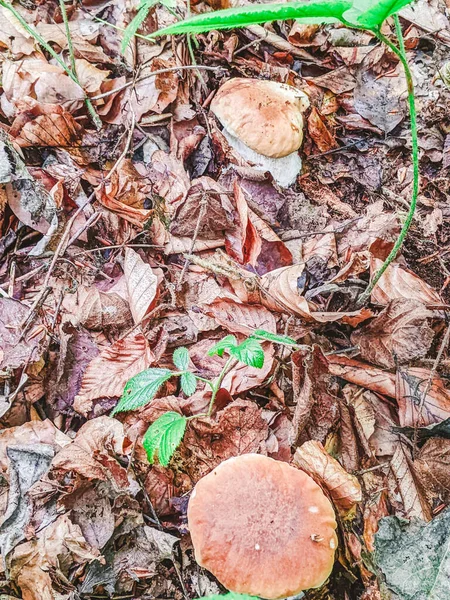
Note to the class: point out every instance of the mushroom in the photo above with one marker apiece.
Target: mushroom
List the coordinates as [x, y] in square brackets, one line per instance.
[262, 527]
[263, 122]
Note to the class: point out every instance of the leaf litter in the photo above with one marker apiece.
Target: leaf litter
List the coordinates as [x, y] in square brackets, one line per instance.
[123, 243]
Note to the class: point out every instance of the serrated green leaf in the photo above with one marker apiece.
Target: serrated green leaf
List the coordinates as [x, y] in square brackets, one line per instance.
[188, 383]
[229, 341]
[164, 436]
[142, 388]
[171, 440]
[250, 352]
[320, 10]
[229, 596]
[181, 358]
[262, 334]
[370, 14]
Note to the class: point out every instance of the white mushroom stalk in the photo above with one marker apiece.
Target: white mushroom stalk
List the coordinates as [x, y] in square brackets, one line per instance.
[263, 122]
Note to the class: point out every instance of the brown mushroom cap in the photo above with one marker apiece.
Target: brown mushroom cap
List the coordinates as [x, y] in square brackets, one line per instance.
[265, 115]
[262, 527]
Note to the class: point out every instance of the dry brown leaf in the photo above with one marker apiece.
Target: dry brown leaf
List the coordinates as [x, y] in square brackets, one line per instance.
[405, 490]
[98, 310]
[432, 466]
[375, 507]
[241, 318]
[107, 374]
[398, 282]
[125, 193]
[238, 429]
[46, 125]
[414, 409]
[169, 179]
[243, 243]
[362, 374]
[316, 409]
[319, 132]
[344, 489]
[142, 285]
[399, 334]
[274, 253]
[52, 554]
[90, 77]
[16, 352]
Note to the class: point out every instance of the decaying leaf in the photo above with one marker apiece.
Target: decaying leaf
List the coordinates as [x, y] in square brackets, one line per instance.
[399, 334]
[142, 285]
[398, 282]
[107, 374]
[343, 488]
[421, 402]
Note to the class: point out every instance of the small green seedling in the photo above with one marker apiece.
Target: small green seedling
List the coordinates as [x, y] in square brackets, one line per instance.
[165, 434]
[358, 14]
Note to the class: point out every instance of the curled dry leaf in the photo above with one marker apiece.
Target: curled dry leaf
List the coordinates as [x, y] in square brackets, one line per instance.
[399, 334]
[398, 282]
[56, 549]
[405, 489]
[362, 374]
[243, 243]
[125, 193]
[107, 374]
[316, 409]
[343, 488]
[142, 285]
[319, 132]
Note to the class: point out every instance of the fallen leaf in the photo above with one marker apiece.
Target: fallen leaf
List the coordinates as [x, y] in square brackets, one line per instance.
[432, 467]
[319, 132]
[405, 489]
[241, 318]
[107, 374]
[414, 407]
[362, 374]
[398, 282]
[142, 285]
[46, 125]
[238, 429]
[344, 489]
[399, 334]
[16, 352]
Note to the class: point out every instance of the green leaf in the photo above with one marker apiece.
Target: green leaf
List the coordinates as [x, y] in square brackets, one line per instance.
[320, 10]
[181, 358]
[141, 388]
[164, 436]
[229, 596]
[414, 557]
[229, 341]
[262, 334]
[250, 352]
[132, 28]
[370, 14]
[188, 383]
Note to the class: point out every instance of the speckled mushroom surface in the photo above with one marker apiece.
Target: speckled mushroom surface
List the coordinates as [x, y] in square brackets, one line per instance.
[262, 527]
[265, 115]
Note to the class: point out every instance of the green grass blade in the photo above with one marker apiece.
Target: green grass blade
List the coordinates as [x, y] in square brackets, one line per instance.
[320, 10]
[132, 28]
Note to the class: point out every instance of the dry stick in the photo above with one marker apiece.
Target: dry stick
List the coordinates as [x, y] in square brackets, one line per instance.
[62, 242]
[429, 384]
[154, 74]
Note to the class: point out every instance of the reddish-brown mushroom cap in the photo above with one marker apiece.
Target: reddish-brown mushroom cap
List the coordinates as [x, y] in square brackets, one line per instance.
[262, 527]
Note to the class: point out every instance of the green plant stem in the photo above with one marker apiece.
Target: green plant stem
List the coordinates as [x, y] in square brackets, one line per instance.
[210, 383]
[40, 40]
[401, 53]
[218, 383]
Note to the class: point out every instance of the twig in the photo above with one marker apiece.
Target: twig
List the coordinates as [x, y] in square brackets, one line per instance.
[154, 74]
[401, 53]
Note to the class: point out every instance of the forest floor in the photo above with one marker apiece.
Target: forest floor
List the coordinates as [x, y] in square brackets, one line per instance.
[123, 242]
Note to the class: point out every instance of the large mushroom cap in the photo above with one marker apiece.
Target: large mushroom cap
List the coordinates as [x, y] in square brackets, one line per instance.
[262, 527]
[265, 115]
